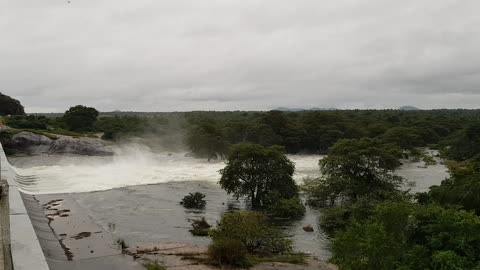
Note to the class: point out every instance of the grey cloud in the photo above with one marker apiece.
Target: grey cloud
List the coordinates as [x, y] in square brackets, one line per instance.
[240, 54]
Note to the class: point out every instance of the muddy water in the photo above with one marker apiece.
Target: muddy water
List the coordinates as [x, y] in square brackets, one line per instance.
[135, 194]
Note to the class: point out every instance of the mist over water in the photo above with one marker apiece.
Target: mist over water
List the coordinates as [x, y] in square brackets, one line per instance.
[132, 164]
[136, 164]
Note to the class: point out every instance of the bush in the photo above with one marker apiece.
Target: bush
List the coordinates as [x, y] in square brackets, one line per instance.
[29, 121]
[288, 208]
[252, 229]
[194, 200]
[153, 266]
[122, 245]
[403, 235]
[337, 219]
[228, 251]
[200, 227]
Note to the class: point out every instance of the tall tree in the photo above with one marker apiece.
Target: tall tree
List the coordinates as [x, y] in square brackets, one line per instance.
[258, 173]
[357, 168]
[80, 118]
[10, 106]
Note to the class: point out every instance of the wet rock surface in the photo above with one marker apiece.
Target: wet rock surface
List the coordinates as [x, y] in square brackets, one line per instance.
[79, 146]
[37, 144]
[70, 239]
[75, 241]
[174, 256]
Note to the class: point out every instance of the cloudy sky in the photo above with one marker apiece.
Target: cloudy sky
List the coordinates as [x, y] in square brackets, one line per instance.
[175, 55]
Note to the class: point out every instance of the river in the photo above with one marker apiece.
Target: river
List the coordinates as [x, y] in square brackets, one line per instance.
[135, 194]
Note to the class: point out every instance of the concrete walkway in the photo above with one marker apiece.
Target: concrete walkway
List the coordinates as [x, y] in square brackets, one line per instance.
[25, 247]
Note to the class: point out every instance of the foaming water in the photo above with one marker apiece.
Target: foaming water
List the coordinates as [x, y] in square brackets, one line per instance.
[131, 165]
[136, 165]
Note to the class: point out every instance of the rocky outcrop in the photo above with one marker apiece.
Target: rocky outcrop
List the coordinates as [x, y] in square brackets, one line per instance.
[37, 144]
[79, 146]
[26, 142]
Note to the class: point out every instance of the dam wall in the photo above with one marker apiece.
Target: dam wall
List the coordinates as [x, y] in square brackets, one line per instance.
[18, 236]
[5, 251]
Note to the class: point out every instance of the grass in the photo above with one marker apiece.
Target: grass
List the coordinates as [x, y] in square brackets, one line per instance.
[153, 266]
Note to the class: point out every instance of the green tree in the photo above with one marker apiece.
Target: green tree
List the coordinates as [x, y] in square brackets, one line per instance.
[80, 118]
[253, 231]
[206, 139]
[461, 189]
[405, 137]
[10, 106]
[466, 144]
[258, 172]
[403, 235]
[355, 169]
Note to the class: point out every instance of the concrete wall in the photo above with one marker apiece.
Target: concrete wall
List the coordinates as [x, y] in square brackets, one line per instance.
[25, 247]
[5, 252]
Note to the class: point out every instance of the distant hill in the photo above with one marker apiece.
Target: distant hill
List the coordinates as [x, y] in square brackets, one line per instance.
[409, 108]
[285, 109]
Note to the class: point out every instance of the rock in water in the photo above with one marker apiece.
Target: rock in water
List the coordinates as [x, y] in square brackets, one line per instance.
[26, 142]
[78, 146]
[308, 228]
[36, 144]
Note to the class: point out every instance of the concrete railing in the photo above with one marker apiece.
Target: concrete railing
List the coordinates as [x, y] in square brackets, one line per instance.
[26, 253]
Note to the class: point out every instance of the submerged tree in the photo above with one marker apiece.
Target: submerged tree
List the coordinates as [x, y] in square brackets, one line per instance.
[355, 169]
[259, 173]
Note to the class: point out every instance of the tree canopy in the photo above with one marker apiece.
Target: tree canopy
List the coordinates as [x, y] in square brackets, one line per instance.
[81, 118]
[354, 169]
[258, 173]
[10, 106]
[403, 235]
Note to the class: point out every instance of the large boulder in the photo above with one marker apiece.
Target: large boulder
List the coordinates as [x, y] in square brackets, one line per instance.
[27, 142]
[79, 146]
[36, 144]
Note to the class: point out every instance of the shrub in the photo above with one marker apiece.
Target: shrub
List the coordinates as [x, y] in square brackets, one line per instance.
[288, 208]
[403, 235]
[253, 230]
[228, 251]
[153, 266]
[335, 219]
[194, 200]
[27, 121]
[200, 227]
[122, 244]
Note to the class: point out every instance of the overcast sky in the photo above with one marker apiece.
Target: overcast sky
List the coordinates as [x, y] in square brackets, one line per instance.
[176, 55]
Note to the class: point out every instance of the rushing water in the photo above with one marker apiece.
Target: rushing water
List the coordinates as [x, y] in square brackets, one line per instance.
[135, 193]
[130, 166]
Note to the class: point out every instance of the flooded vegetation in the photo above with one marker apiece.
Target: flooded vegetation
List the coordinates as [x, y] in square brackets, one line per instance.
[136, 194]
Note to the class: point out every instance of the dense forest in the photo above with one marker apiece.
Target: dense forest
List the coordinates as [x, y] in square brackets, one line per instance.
[373, 223]
[211, 133]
